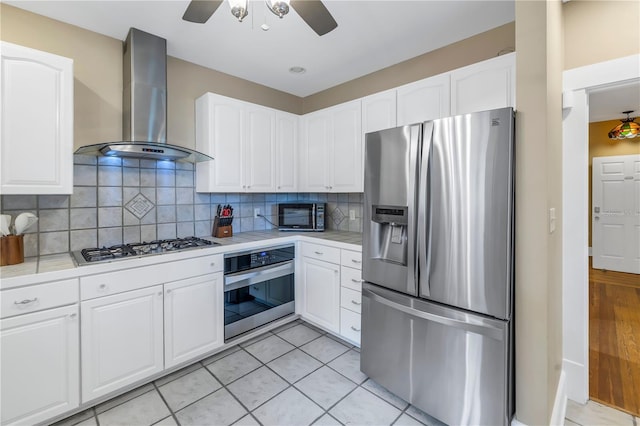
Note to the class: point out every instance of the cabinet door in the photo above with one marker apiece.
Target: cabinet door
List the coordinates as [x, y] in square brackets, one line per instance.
[39, 365]
[193, 318]
[121, 340]
[36, 122]
[259, 149]
[379, 111]
[286, 152]
[423, 100]
[315, 152]
[486, 85]
[346, 157]
[321, 293]
[220, 133]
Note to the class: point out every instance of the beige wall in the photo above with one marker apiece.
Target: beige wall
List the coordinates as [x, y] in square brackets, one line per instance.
[465, 52]
[601, 146]
[98, 76]
[98, 79]
[600, 30]
[538, 292]
[97, 69]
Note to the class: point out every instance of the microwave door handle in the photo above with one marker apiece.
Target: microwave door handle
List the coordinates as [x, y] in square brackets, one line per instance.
[313, 217]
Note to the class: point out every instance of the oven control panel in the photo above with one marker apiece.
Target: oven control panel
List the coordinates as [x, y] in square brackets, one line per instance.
[257, 258]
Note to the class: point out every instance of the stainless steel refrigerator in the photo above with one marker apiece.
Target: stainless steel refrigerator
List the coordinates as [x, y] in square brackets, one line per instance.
[437, 312]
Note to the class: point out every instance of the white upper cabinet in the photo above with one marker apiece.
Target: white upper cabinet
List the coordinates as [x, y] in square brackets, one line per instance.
[423, 100]
[486, 85]
[345, 150]
[219, 133]
[314, 161]
[36, 122]
[286, 151]
[331, 158]
[251, 146]
[259, 149]
[379, 111]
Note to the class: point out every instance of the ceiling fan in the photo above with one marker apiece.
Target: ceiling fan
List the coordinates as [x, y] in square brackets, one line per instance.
[313, 12]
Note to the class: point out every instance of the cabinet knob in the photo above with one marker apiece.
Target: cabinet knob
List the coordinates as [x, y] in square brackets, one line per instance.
[212, 264]
[244, 186]
[159, 293]
[26, 301]
[355, 329]
[73, 316]
[169, 291]
[102, 286]
[278, 187]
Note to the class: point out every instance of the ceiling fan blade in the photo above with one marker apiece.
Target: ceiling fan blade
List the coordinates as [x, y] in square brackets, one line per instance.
[199, 11]
[315, 14]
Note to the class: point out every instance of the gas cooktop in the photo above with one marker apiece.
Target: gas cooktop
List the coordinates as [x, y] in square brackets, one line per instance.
[124, 251]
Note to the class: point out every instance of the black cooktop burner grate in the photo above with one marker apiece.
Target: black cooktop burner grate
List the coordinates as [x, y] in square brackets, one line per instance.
[121, 251]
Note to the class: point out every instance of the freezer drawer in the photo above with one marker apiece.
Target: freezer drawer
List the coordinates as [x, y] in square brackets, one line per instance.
[454, 365]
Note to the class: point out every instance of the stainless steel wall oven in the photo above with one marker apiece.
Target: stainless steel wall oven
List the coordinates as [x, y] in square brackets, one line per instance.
[258, 288]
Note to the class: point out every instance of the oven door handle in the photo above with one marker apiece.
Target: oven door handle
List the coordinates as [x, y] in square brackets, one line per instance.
[264, 273]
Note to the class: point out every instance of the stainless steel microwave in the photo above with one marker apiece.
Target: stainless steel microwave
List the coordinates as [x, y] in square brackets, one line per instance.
[301, 216]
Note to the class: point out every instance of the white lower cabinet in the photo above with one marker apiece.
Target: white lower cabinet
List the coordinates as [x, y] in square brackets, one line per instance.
[39, 365]
[122, 340]
[193, 310]
[321, 293]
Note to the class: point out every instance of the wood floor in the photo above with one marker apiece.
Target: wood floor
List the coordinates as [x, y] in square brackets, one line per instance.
[614, 339]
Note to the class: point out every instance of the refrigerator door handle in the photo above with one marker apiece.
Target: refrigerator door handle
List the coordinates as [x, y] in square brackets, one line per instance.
[484, 330]
[424, 222]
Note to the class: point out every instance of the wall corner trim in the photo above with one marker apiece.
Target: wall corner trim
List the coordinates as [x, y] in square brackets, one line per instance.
[560, 403]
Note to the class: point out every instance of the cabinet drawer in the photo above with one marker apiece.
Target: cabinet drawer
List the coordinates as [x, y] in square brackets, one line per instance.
[351, 278]
[350, 325]
[350, 299]
[320, 252]
[38, 297]
[146, 276]
[352, 259]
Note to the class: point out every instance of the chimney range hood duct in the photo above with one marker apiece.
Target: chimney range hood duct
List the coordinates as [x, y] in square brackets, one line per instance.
[144, 110]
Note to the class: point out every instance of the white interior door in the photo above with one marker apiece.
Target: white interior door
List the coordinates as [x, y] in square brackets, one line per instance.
[616, 213]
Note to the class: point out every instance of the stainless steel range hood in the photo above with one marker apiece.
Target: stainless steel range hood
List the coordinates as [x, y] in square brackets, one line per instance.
[144, 123]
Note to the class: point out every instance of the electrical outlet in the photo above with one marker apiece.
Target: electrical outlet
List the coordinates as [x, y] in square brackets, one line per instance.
[352, 215]
[256, 212]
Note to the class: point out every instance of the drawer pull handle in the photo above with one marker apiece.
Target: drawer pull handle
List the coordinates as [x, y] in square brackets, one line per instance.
[355, 280]
[26, 301]
[355, 329]
[356, 303]
[73, 316]
[356, 261]
[319, 253]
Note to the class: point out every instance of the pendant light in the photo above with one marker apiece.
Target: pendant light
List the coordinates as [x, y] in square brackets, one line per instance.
[627, 129]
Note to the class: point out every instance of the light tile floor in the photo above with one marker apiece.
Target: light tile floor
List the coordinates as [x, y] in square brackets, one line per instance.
[294, 375]
[595, 414]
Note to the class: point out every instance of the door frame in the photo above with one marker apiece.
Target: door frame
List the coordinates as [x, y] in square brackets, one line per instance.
[577, 83]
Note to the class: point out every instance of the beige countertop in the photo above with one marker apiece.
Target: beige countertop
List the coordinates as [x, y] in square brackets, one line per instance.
[62, 266]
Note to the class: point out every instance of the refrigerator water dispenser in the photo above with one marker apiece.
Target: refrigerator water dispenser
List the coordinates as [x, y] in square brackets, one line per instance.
[389, 228]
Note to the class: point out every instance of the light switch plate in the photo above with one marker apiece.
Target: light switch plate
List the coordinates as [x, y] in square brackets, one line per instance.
[552, 220]
[352, 215]
[256, 212]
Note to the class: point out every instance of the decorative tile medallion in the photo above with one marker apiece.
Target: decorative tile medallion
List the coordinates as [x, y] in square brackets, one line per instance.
[337, 216]
[139, 206]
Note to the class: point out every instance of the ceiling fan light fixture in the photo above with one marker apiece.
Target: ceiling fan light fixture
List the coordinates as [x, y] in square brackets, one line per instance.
[239, 9]
[627, 129]
[278, 7]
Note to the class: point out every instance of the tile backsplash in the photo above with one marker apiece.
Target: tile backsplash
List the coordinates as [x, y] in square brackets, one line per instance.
[117, 201]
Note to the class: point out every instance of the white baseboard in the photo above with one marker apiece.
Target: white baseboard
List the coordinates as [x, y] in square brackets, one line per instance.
[560, 403]
[576, 381]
